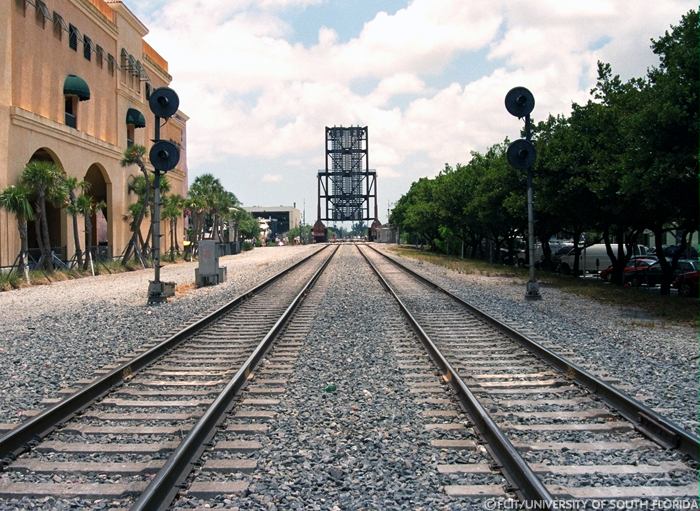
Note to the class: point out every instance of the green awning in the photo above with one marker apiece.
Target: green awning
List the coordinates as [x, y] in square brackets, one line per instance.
[136, 118]
[76, 86]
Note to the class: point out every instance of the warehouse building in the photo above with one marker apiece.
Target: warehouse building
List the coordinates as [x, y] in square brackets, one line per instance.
[280, 218]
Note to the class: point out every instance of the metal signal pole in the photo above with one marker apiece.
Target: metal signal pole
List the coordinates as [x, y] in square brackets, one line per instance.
[521, 155]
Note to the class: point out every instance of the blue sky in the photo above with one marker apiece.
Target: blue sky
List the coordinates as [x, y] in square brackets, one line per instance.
[260, 79]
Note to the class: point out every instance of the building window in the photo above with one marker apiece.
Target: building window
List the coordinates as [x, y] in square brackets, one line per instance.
[131, 67]
[123, 63]
[149, 89]
[72, 111]
[42, 13]
[99, 55]
[87, 47]
[58, 25]
[73, 38]
[22, 6]
[130, 130]
[110, 63]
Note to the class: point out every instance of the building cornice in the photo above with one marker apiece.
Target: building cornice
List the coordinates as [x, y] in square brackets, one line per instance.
[155, 68]
[29, 120]
[96, 16]
[128, 16]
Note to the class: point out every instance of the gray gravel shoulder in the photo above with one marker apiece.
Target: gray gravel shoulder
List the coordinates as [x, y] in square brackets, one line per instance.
[652, 360]
[56, 334]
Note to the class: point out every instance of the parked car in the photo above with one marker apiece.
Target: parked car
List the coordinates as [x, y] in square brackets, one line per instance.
[636, 263]
[690, 251]
[687, 283]
[516, 258]
[561, 250]
[594, 258]
[652, 275]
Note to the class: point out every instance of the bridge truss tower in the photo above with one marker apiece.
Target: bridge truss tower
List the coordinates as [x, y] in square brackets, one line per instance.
[347, 188]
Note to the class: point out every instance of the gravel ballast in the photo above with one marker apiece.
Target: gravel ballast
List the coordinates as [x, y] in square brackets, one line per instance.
[364, 445]
[56, 334]
[654, 361]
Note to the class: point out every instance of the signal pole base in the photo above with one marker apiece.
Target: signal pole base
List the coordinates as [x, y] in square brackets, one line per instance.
[532, 291]
[159, 292]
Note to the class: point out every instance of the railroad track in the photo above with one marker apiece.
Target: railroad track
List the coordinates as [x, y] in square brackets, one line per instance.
[556, 431]
[132, 437]
[337, 454]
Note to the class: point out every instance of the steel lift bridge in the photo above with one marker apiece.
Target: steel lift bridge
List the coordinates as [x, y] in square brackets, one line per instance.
[347, 188]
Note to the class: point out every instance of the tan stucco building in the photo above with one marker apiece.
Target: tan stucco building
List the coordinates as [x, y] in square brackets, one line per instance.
[75, 76]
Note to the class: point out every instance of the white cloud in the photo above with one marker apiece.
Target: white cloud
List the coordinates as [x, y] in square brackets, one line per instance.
[271, 178]
[222, 53]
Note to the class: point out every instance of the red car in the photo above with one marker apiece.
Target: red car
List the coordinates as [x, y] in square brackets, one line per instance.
[652, 275]
[687, 283]
[632, 266]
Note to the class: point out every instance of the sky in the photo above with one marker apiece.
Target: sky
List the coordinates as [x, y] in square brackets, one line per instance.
[261, 79]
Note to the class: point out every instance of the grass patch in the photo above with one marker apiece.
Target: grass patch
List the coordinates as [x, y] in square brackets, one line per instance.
[675, 309]
[41, 278]
[15, 280]
[465, 266]
[9, 281]
[110, 267]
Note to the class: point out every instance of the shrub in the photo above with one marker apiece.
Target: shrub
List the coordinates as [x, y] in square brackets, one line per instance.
[9, 281]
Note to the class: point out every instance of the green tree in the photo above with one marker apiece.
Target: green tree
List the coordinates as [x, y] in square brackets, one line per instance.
[499, 197]
[134, 155]
[71, 184]
[44, 180]
[455, 195]
[248, 226]
[563, 172]
[209, 203]
[416, 212]
[86, 206]
[15, 199]
[303, 231]
[666, 127]
[173, 207]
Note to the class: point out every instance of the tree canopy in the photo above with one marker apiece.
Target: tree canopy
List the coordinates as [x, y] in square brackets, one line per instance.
[623, 163]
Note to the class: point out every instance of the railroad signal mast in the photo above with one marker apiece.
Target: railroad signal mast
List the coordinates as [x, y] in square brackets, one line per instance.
[521, 155]
[347, 188]
[164, 156]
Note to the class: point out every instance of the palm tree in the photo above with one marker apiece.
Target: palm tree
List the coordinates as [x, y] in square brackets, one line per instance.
[134, 155]
[85, 205]
[43, 179]
[135, 216]
[71, 184]
[211, 201]
[172, 210]
[15, 199]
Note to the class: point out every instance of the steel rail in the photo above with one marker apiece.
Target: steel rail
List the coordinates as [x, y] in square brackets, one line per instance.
[28, 433]
[651, 424]
[164, 487]
[525, 483]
